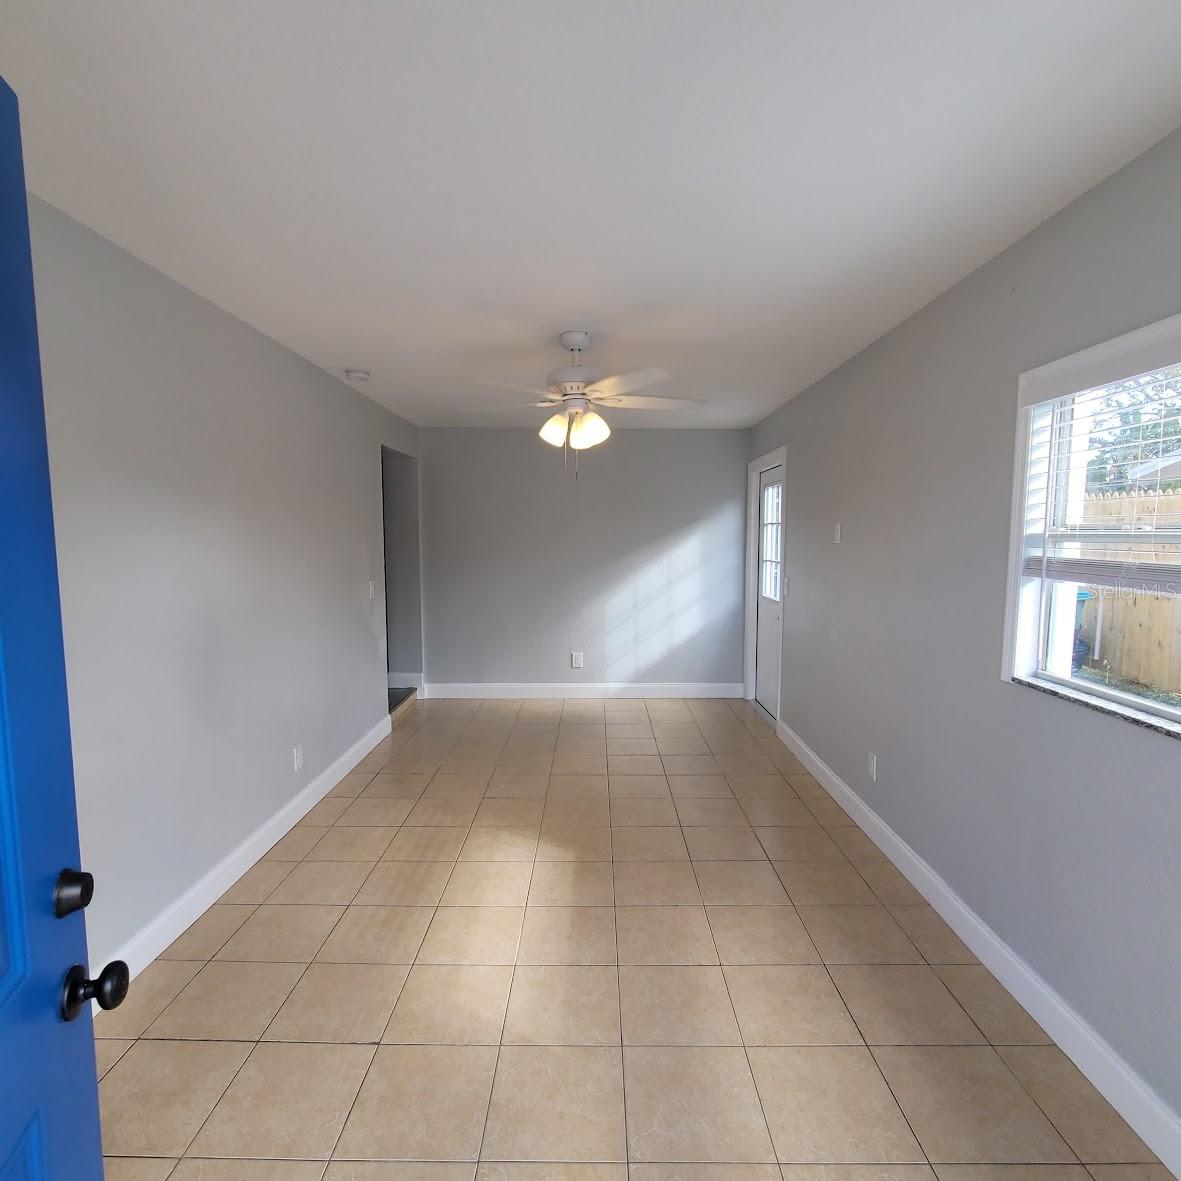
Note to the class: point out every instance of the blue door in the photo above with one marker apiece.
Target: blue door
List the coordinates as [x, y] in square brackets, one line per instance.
[48, 1094]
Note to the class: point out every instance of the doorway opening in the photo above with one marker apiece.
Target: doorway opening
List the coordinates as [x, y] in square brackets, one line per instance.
[766, 586]
[403, 577]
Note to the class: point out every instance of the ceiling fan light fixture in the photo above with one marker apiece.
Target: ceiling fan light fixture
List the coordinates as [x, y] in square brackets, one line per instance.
[553, 431]
[574, 390]
[587, 430]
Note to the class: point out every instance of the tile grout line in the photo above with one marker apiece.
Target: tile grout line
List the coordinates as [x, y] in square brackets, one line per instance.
[865, 1045]
[323, 943]
[507, 1002]
[876, 1064]
[734, 1013]
[253, 1044]
[258, 1041]
[413, 964]
[1045, 1114]
[627, 1147]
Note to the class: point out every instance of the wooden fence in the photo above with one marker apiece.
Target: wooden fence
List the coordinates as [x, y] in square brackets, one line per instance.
[1134, 636]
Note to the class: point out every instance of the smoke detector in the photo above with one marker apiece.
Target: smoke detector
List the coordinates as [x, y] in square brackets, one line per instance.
[357, 375]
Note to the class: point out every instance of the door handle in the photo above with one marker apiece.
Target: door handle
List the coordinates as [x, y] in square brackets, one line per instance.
[73, 891]
[109, 989]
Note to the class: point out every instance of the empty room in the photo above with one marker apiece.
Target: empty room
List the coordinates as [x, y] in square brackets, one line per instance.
[590, 591]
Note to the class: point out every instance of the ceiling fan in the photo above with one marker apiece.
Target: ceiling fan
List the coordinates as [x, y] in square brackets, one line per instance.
[577, 392]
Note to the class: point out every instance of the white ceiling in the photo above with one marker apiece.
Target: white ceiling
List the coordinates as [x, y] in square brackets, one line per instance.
[744, 192]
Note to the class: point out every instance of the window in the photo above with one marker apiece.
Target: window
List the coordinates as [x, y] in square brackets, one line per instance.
[770, 570]
[1095, 592]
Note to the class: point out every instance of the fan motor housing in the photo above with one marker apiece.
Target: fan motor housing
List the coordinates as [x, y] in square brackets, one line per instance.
[571, 379]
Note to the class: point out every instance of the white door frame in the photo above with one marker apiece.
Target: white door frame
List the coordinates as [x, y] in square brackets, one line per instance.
[754, 469]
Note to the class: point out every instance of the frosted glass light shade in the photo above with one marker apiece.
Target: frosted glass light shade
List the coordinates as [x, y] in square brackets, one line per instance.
[554, 430]
[587, 430]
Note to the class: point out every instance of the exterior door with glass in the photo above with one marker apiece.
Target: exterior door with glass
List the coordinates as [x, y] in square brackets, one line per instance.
[769, 600]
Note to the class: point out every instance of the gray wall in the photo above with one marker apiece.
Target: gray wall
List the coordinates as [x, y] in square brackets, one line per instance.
[637, 563]
[1057, 825]
[218, 512]
[403, 569]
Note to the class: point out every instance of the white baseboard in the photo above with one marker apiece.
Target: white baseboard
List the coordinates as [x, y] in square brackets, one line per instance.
[147, 943]
[1151, 1117]
[560, 689]
[405, 681]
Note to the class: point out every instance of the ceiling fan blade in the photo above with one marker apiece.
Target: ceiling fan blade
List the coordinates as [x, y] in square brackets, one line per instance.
[549, 405]
[646, 402]
[515, 387]
[624, 383]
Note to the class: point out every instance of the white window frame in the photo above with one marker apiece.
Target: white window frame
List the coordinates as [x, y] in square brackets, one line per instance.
[1157, 346]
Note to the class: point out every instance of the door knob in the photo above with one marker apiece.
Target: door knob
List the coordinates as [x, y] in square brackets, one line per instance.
[109, 989]
[73, 891]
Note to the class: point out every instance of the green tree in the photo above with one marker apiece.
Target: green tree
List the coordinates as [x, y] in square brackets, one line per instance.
[1134, 421]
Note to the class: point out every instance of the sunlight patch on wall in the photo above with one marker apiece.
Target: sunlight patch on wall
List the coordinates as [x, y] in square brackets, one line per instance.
[668, 599]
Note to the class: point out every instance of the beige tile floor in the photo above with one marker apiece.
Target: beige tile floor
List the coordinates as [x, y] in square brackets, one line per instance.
[586, 941]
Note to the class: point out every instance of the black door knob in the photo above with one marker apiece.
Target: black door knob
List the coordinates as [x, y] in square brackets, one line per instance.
[73, 891]
[109, 989]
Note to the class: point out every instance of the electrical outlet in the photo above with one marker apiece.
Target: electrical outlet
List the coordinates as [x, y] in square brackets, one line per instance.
[576, 660]
[297, 757]
[836, 534]
[372, 589]
[873, 766]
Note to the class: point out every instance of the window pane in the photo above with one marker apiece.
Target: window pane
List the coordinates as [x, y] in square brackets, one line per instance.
[1119, 640]
[773, 504]
[769, 578]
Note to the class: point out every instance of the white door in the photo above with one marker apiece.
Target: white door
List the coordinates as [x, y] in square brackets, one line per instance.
[769, 600]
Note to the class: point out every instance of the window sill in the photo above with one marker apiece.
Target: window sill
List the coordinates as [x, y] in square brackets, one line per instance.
[1102, 705]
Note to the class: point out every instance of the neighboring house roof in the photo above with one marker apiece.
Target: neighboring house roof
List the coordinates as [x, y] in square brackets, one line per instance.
[1166, 467]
